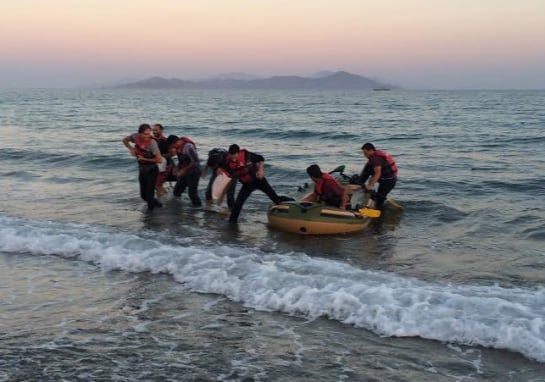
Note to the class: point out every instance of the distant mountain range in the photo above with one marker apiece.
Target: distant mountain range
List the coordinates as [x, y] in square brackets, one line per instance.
[340, 80]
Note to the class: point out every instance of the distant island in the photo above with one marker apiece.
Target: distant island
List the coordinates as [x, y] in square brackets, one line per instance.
[340, 80]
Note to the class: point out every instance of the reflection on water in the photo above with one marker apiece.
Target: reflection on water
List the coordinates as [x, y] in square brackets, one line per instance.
[469, 239]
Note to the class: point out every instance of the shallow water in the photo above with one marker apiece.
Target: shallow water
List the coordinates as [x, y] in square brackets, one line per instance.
[93, 287]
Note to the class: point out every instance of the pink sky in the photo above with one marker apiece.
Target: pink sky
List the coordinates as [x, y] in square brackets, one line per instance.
[411, 43]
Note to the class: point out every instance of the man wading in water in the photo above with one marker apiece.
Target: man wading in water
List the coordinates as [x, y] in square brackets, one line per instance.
[147, 153]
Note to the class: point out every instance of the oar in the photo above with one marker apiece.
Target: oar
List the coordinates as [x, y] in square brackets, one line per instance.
[394, 204]
[338, 169]
[369, 212]
[372, 213]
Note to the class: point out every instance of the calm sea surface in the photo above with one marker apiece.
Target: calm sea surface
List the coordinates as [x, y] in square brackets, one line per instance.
[95, 288]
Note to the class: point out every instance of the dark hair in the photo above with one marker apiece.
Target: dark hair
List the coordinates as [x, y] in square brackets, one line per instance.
[159, 126]
[213, 161]
[368, 146]
[215, 156]
[143, 127]
[314, 171]
[172, 139]
[233, 149]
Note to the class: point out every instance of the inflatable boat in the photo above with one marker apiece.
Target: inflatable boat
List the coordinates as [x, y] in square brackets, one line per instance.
[311, 218]
[317, 218]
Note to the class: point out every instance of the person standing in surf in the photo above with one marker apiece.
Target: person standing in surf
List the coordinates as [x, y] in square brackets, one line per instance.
[248, 168]
[148, 155]
[188, 172]
[217, 159]
[382, 169]
[166, 165]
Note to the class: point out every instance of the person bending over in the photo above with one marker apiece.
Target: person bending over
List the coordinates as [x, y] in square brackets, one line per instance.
[248, 168]
[217, 159]
[326, 188]
[382, 169]
[188, 172]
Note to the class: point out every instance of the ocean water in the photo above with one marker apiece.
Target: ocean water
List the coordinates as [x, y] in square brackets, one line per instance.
[95, 288]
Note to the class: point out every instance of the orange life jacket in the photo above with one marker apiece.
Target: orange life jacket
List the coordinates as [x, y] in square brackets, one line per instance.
[391, 170]
[240, 168]
[319, 187]
[184, 158]
[182, 142]
[141, 148]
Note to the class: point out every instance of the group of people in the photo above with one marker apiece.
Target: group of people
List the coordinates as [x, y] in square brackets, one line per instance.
[156, 154]
[380, 167]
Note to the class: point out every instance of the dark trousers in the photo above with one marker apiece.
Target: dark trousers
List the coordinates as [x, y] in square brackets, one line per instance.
[230, 191]
[384, 187]
[245, 192]
[147, 177]
[191, 181]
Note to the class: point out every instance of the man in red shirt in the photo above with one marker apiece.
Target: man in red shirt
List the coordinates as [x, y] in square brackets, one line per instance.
[326, 189]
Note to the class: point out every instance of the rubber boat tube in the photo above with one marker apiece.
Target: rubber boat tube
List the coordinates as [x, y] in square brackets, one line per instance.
[309, 218]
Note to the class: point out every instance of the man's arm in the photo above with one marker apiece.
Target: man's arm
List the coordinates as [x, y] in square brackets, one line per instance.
[376, 176]
[259, 161]
[310, 197]
[126, 141]
[365, 173]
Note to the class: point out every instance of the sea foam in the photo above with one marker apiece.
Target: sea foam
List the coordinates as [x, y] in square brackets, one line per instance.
[298, 284]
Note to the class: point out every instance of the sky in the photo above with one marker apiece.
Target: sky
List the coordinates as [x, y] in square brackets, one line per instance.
[415, 44]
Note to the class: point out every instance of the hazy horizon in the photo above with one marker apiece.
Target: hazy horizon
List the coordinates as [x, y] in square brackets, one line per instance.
[414, 44]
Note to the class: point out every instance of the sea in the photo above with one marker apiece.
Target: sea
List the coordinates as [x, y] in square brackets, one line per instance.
[451, 287]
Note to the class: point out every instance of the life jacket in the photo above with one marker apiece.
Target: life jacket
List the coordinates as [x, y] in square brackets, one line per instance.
[240, 168]
[335, 193]
[319, 186]
[183, 158]
[182, 142]
[390, 171]
[141, 148]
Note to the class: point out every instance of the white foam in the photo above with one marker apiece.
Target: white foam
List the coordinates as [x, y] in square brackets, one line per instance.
[297, 284]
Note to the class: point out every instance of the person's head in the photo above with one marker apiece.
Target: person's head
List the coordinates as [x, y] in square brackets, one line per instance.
[145, 131]
[214, 159]
[234, 149]
[314, 172]
[171, 141]
[368, 149]
[157, 130]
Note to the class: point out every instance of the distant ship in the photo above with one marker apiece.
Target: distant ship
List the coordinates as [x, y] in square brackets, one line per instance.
[383, 88]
